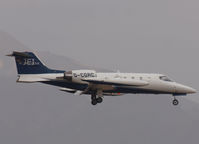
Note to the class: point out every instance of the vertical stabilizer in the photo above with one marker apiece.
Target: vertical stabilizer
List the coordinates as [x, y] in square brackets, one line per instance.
[28, 63]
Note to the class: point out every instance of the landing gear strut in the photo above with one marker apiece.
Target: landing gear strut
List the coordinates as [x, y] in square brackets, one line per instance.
[175, 102]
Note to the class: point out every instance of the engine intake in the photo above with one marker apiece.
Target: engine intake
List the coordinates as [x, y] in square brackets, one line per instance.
[68, 75]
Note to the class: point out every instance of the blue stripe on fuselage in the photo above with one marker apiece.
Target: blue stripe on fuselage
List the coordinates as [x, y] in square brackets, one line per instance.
[82, 87]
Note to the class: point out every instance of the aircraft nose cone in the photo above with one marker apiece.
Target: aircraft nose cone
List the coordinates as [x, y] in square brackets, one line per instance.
[191, 90]
[184, 89]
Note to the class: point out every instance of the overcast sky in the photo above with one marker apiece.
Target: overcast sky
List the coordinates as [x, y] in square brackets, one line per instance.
[158, 36]
[125, 35]
[130, 36]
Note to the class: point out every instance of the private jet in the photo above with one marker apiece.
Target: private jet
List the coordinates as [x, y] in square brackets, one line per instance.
[96, 84]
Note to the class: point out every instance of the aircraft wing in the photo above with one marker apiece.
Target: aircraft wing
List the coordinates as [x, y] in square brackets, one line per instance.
[116, 81]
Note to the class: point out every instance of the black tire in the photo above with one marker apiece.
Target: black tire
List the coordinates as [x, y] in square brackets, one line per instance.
[175, 102]
[99, 100]
[94, 102]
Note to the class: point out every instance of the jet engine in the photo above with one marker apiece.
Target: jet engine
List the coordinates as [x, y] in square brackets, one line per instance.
[68, 75]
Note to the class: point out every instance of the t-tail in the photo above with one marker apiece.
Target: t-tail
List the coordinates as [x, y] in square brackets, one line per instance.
[28, 63]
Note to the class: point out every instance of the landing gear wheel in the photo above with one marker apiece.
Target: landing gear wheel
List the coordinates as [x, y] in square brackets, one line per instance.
[94, 101]
[175, 102]
[99, 100]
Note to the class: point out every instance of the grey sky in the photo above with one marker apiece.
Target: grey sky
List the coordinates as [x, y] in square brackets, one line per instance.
[113, 33]
[159, 36]
[132, 36]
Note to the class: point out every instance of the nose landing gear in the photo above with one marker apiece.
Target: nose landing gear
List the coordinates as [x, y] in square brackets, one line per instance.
[175, 102]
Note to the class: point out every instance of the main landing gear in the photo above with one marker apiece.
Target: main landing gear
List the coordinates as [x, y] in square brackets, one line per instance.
[95, 100]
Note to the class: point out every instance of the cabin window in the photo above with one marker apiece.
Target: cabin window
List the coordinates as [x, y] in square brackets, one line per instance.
[165, 78]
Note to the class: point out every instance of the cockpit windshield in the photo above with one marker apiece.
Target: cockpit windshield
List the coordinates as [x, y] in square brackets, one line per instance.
[165, 78]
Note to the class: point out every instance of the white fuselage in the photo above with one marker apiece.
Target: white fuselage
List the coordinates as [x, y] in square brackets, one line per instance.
[152, 83]
[31, 69]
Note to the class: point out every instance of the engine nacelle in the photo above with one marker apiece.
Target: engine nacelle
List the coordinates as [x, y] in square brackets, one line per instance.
[78, 75]
[68, 75]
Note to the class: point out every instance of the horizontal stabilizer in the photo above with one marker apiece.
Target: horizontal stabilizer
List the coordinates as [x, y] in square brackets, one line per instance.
[30, 78]
[21, 54]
